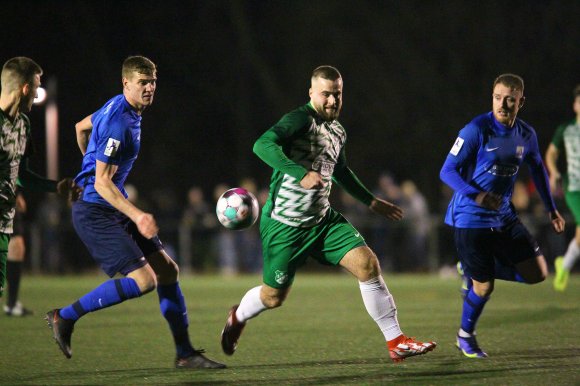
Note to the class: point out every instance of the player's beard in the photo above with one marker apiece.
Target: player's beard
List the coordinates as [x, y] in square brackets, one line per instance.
[505, 118]
[328, 115]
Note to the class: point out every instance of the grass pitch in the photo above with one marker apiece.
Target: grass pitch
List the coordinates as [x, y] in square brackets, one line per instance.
[321, 336]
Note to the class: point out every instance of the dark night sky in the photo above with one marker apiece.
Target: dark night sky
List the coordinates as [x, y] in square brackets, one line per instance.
[415, 73]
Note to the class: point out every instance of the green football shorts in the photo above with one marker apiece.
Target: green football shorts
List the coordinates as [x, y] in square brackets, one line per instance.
[573, 202]
[285, 248]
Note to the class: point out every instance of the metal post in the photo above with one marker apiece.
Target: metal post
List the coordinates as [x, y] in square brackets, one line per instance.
[51, 118]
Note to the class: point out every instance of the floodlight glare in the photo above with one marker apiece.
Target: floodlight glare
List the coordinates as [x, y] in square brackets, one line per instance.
[40, 96]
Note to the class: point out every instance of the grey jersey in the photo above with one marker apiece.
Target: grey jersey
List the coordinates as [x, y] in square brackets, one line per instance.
[13, 142]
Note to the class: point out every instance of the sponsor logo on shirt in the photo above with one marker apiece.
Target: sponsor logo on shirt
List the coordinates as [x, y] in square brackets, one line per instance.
[457, 146]
[112, 147]
[325, 168]
[503, 170]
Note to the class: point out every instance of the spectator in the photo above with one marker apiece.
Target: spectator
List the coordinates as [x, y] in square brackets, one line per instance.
[225, 242]
[386, 237]
[248, 242]
[418, 226]
[198, 221]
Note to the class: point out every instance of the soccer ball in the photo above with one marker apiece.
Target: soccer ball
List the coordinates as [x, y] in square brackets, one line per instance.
[237, 209]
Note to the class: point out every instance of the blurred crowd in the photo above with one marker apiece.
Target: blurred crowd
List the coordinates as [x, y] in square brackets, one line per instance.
[191, 232]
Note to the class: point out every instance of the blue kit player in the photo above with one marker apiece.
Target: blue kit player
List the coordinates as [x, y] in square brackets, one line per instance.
[121, 237]
[491, 241]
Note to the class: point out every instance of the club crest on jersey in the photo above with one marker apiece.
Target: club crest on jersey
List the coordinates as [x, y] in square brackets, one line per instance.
[281, 277]
[519, 152]
[457, 146]
[112, 147]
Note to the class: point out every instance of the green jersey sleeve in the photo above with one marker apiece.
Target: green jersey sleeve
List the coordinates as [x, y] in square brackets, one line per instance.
[29, 180]
[558, 139]
[346, 179]
[271, 145]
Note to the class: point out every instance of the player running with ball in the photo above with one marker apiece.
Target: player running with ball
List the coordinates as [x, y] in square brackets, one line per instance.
[306, 150]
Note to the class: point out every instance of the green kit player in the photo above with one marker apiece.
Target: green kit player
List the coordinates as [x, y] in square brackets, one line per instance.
[19, 80]
[306, 150]
[567, 141]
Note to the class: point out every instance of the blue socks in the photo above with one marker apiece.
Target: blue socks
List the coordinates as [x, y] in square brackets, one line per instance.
[172, 304]
[473, 304]
[472, 307]
[107, 294]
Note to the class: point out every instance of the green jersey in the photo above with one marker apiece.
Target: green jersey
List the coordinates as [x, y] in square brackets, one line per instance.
[14, 138]
[300, 142]
[567, 140]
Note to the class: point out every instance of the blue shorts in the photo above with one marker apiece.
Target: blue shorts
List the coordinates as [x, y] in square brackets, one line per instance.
[479, 247]
[112, 238]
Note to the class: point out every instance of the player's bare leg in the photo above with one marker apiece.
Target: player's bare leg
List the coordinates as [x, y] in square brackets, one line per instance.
[380, 305]
[255, 301]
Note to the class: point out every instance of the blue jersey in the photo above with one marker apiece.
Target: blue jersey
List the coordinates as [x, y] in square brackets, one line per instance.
[486, 157]
[115, 139]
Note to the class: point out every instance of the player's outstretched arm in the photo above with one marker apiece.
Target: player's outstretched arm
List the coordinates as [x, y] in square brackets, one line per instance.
[84, 129]
[386, 209]
[68, 189]
[552, 155]
[31, 181]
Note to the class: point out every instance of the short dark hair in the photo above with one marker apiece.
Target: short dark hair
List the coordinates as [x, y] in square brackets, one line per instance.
[326, 72]
[513, 81]
[19, 71]
[139, 64]
[577, 91]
